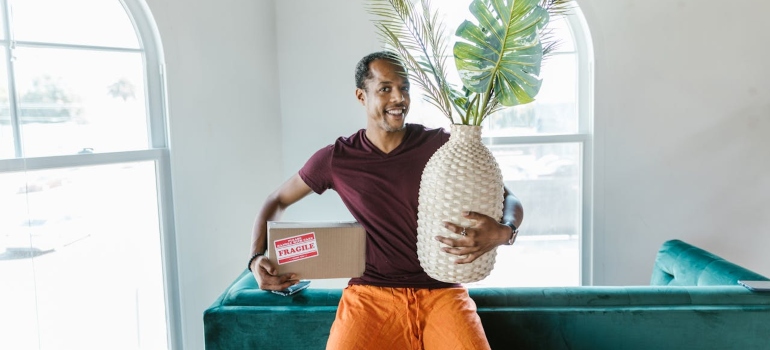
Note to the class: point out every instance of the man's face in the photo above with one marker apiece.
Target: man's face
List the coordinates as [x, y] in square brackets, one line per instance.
[386, 96]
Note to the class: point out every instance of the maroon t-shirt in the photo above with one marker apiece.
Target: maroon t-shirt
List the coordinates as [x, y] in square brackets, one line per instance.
[381, 190]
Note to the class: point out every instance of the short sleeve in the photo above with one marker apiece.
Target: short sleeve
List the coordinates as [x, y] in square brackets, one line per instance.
[317, 172]
[444, 136]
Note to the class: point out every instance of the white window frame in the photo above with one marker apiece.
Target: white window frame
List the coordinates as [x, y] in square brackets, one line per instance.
[584, 137]
[158, 151]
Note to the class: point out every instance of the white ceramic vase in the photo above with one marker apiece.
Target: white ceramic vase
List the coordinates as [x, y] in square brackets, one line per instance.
[461, 176]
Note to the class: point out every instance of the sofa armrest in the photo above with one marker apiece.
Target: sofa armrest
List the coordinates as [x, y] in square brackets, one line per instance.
[682, 264]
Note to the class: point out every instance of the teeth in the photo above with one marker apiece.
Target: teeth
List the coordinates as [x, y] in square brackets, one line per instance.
[396, 111]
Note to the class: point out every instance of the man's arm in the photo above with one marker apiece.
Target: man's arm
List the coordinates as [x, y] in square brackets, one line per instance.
[513, 211]
[486, 233]
[287, 194]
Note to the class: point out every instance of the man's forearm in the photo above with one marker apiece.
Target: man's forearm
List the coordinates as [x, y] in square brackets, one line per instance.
[271, 211]
[289, 193]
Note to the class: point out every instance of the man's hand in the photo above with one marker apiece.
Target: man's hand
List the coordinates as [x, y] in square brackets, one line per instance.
[265, 274]
[484, 235]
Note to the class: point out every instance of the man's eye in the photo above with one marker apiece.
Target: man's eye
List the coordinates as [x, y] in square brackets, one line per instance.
[385, 89]
[405, 89]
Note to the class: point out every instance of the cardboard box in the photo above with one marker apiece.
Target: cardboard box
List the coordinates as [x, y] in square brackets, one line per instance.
[316, 250]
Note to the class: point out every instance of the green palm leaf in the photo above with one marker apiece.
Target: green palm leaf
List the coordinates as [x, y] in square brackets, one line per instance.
[497, 59]
[500, 56]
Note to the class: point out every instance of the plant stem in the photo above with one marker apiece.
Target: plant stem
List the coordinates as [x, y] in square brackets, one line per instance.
[486, 100]
[471, 109]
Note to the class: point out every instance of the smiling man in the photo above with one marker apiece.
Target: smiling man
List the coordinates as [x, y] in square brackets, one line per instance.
[376, 172]
[385, 95]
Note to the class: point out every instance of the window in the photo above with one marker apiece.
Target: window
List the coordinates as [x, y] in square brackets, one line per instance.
[544, 152]
[85, 204]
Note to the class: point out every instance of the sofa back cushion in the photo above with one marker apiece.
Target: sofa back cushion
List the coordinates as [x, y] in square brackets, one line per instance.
[681, 264]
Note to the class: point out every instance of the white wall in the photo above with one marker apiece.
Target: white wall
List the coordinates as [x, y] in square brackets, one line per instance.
[682, 114]
[681, 110]
[680, 152]
[319, 44]
[225, 138]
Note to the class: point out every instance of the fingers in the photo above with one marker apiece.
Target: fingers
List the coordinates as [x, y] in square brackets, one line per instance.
[265, 264]
[286, 283]
[473, 215]
[466, 254]
[479, 219]
[474, 240]
[276, 282]
[465, 247]
[467, 234]
[267, 278]
[460, 248]
[454, 228]
[467, 259]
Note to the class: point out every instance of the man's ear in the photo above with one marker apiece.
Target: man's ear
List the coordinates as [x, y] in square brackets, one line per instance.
[361, 96]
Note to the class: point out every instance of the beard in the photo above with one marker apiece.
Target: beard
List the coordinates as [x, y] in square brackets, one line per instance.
[392, 126]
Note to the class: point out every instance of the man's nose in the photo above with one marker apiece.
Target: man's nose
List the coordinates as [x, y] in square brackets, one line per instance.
[398, 96]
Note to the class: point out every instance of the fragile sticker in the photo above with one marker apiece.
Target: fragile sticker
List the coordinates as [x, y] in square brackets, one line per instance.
[296, 248]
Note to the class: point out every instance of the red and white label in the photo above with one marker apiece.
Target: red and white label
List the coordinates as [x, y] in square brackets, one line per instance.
[296, 248]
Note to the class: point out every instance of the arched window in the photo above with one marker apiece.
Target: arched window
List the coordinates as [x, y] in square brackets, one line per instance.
[85, 201]
[544, 150]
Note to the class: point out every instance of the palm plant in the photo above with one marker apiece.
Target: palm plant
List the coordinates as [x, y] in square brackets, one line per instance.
[498, 58]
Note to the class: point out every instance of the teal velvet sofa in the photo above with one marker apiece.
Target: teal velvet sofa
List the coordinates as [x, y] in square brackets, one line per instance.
[693, 302]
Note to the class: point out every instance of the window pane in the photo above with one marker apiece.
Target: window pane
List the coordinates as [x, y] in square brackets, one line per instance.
[80, 264]
[79, 101]
[82, 22]
[554, 110]
[17, 278]
[559, 29]
[423, 112]
[6, 130]
[546, 178]
[455, 12]
[2, 22]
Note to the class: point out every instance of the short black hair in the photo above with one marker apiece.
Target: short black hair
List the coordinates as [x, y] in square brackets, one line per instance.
[362, 68]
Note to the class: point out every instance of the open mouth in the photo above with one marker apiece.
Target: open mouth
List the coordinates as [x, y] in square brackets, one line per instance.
[396, 112]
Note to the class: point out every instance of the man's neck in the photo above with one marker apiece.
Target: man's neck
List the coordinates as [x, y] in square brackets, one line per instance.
[385, 141]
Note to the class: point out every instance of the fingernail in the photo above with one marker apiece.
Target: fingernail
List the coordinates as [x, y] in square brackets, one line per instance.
[466, 213]
[438, 238]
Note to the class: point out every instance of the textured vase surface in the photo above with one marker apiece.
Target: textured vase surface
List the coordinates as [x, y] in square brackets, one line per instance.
[461, 176]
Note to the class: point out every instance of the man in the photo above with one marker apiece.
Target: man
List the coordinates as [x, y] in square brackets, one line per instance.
[376, 172]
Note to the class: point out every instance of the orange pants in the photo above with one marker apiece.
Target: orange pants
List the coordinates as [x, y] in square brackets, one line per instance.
[374, 318]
